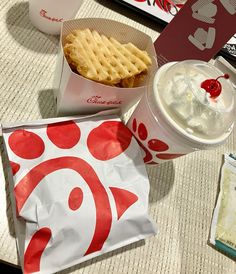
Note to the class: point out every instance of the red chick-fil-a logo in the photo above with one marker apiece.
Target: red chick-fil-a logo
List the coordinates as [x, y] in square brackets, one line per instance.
[43, 13]
[99, 101]
[42, 174]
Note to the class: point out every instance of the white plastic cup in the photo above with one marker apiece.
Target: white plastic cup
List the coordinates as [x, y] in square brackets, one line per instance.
[48, 15]
[158, 134]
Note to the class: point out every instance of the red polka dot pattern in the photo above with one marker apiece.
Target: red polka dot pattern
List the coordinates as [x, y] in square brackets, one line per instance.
[14, 167]
[157, 145]
[26, 144]
[109, 140]
[168, 156]
[134, 125]
[152, 145]
[142, 131]
[75, 198]
[64, 135]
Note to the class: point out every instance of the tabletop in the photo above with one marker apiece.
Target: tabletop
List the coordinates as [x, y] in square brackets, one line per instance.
[183, 191]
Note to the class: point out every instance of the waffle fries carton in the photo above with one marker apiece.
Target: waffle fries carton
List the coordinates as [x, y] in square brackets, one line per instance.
[76, 94]
[79, 189]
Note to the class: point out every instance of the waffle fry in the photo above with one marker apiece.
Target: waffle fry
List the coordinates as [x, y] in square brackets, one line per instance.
[105, 60]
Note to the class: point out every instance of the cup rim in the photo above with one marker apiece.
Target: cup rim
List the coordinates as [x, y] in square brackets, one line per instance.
[171, 125]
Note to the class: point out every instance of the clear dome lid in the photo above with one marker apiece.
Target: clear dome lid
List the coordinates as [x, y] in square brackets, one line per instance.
[197, 97]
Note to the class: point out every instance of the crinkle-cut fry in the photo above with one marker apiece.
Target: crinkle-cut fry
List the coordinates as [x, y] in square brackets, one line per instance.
[143, 55]
[83, 55]
[70, 38]
[73, 54]
[127, 82]
[103, 59]
[133, 81]
[90, 53]
[139, 79]
[108, 59]
[124, 66]
[71, 62]
[104, 72]
[111, 65]
[135, 62]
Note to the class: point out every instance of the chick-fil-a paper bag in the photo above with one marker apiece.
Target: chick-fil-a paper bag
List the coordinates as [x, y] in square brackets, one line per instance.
[199, 30]
[79, 189]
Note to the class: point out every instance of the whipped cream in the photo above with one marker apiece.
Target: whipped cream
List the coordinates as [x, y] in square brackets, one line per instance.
[190, 106]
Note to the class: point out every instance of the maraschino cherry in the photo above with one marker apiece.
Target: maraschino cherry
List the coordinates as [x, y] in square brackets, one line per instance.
[213, 86]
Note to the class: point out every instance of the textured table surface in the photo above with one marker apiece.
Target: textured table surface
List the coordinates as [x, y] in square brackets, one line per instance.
[183, 191]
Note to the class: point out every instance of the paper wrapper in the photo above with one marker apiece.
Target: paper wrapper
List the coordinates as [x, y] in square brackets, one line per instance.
[79, 189]
[78, 95]
[223, 226]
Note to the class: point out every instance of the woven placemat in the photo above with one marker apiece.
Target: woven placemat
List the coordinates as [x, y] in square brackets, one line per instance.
[183, 191]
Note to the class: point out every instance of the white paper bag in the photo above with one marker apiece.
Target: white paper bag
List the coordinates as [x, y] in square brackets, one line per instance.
[79, 189]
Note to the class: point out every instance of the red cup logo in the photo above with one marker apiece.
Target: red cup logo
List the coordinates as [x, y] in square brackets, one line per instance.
[154, 147]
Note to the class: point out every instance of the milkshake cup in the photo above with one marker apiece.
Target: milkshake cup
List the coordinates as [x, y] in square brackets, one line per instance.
[188, 106]
[48, 15]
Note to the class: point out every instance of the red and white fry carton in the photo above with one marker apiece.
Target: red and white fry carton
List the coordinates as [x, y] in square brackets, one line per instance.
[79, 189]
[78, 95]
